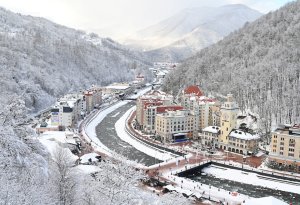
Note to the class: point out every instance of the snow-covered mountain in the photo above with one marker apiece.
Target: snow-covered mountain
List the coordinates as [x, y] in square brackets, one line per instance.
[191, 30]
[259, 64]
[42, 60]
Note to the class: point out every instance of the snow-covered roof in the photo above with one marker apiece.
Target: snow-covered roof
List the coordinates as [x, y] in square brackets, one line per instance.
[118, 87]
[270, 200]
[161, 73]
[85, 158]
[212, 129]
[58, 136]
[243, 135]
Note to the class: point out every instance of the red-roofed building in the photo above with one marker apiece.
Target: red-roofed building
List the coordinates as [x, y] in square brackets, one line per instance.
[205, 108]
[146, 109]
[162, 109]
[193, 89]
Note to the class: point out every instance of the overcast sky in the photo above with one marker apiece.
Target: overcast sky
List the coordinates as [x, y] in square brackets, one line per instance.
[115, 17]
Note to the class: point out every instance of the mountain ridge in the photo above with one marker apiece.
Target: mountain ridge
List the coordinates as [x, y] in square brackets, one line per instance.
[259, 64]
[43, 60]
[192, 27]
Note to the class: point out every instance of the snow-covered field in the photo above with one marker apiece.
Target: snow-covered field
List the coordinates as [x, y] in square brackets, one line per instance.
[52, 140]
[139, 145]
[252, 178]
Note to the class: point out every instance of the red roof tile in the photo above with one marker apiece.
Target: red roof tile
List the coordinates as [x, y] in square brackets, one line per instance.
[153, 103]
[193, 89]
[162, 109]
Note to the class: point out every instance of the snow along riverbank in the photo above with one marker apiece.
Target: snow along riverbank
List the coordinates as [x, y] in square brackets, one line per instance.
[139, 145]
[252, 178]
[89, 130]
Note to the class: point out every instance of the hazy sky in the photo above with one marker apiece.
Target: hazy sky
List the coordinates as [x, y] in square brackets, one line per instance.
[115, 17]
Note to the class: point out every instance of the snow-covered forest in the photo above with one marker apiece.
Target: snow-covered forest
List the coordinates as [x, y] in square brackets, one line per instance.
[259, 64]
[31, 175]
[42, 60]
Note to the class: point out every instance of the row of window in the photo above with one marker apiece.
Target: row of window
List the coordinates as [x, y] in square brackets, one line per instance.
[238, 145]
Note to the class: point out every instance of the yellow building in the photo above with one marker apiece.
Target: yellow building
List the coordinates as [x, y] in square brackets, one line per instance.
[285, 146]
[242, 142]
[229, 111]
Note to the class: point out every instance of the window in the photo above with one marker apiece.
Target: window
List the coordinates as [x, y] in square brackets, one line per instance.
[281, 153]
[291, 154]
[281, 143]
[281, 148]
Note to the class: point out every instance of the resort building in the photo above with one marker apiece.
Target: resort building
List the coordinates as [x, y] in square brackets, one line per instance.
[67, 110]
[175, 126]
[210, 136]
[146, 108]
[242, 142]
[88, 97]
[228, 120]
[230, 138]
[206, 109]
[118, 88]
[285, 146]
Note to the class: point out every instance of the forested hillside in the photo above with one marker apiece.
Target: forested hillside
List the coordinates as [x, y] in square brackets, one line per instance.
[41, 60]
[259, 64]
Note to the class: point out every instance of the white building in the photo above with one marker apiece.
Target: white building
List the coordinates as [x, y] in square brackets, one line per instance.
[67, 110]
[118, 88]
[210, 136]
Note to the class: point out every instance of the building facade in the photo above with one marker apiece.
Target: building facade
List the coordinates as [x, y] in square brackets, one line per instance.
[285, 146]
[210, 136]
[228, 120]
[146, 108]
[175, 126]
[242, 142]
[207, 110]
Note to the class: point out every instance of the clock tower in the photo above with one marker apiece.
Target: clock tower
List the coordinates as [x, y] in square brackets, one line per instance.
[229, 111]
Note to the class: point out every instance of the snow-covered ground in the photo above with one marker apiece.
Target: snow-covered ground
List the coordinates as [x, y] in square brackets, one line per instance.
[139, 145]
[90, 156]
[52, 140]
[252, 178]
[88, 169]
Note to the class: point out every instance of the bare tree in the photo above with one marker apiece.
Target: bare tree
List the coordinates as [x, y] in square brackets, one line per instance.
[64, 176]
